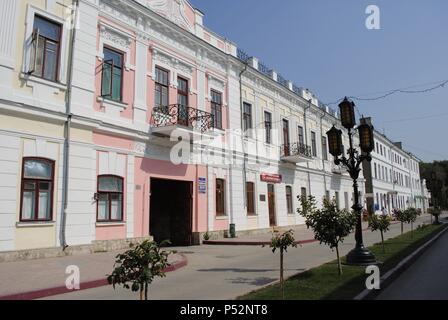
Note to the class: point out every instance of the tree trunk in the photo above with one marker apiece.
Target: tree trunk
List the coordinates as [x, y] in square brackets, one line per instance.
[339, 261]
[281, 274]
[412, 230]
[402, 228]
[146, 291]
[141, 292]
[382, 241]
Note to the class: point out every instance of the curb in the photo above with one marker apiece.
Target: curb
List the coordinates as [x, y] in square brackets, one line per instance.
[393, 273]
[42, 293]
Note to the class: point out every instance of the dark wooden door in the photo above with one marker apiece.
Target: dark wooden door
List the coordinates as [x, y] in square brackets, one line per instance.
[271, 205]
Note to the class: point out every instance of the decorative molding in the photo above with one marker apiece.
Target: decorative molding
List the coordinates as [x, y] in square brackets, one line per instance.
[118, 38]
[173, 10]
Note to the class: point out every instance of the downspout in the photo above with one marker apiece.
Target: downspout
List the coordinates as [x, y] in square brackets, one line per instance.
[306, 143]
[68, 102]
[242, 137]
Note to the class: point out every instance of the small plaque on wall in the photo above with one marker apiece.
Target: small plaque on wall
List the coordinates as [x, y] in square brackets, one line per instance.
[262, 197]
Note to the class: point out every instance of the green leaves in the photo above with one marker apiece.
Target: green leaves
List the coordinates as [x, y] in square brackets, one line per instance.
[330, 225]
[380, 223]
[140, 265]
[283, 241]
[407, 216]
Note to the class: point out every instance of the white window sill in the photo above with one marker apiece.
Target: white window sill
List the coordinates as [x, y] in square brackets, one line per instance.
[35, 224]
[31, 80]
[110, 224]
[222, 218]
[112, 104]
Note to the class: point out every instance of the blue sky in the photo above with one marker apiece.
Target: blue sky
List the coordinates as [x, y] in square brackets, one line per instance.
[325, 46]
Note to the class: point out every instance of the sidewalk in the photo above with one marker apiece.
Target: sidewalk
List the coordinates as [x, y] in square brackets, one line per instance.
[33, 279]
[207, 266]
[302, 235]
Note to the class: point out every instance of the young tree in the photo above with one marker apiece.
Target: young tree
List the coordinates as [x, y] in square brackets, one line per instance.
[329, 224]
[282, 242]
[435, 212]
[139, 266]
[380, 223]
[411, 215]
[400, 216]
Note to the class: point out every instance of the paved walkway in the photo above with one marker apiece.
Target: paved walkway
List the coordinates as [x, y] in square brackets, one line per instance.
[36, 277]
[302, 235]
[425, 279]
[225, 272]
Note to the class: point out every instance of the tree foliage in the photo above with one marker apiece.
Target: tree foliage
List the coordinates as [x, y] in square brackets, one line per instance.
[282, 241]
[435, 212]
[330, 225]
[136, 268]
[380, 223]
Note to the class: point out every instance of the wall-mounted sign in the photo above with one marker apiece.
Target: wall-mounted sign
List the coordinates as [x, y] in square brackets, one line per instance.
[268, 177]
[202, 185]
[262, 197]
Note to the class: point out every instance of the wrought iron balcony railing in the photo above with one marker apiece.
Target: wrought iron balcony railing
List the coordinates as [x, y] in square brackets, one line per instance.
[177, 114]
[296, 149]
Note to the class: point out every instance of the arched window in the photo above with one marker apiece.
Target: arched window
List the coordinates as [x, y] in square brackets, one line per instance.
[110, 198]
[37, 189]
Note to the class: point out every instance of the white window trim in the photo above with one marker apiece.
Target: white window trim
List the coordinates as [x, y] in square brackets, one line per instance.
[217, 84]
[164, 60]
[29, 24]
[115, 39]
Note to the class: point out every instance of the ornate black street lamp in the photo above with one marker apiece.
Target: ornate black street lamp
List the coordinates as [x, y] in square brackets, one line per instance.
[359, 255]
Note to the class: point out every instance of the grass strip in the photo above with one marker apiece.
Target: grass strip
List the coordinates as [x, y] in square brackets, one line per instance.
[324, 283]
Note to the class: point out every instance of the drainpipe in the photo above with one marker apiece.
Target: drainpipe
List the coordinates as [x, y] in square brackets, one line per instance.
[68, 102]
[232, 222]
[306, 143]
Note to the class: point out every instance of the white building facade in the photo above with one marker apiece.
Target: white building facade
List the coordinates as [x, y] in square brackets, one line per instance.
[87, 117]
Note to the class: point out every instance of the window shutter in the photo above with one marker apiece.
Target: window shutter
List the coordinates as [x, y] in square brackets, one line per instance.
[107, 78]
[33, 52]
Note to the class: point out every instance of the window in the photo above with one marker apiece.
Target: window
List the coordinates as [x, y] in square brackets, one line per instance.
[268, 125]
[285, 127]
[112, 76]
[289, 199]
[347, 206]
[336, 197]
[374, 165]
[303, 193]
[161, 88]
[313, 143]
[216, 105]
[324, 148]
[45, 52]
[300, 133]
[250, 198]
[220, 197]
[182, 101]
[247, 116]
[327, 195]
[110, 198]
[37, 190]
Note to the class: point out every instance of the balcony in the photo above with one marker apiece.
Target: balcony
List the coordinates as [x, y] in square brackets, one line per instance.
[193, 121]
[295, 152]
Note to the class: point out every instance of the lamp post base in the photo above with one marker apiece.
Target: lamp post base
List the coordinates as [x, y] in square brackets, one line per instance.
[360, 256]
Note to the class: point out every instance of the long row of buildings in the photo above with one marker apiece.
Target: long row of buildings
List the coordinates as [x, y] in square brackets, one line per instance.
[94, 95]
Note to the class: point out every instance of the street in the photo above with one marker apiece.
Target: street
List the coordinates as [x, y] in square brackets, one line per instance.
[425, 278]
